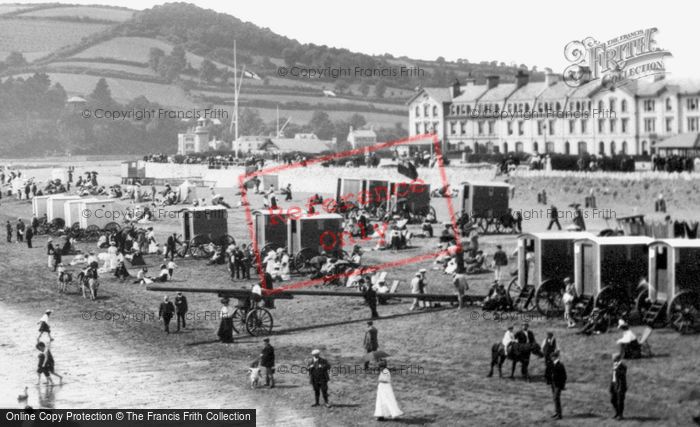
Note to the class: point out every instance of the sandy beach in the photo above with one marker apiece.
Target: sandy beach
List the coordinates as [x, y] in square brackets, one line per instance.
[132, 363]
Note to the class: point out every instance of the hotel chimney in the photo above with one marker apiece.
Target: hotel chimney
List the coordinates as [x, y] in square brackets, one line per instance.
[456, 89]
[492, 81]
[521, 78]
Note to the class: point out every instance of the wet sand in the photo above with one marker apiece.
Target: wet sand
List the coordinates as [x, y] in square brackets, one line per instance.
[106, 373]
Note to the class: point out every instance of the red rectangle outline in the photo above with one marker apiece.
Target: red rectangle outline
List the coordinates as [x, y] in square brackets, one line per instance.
[357, 151]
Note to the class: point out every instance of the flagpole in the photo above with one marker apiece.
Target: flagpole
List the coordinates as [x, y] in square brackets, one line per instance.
[235, 96]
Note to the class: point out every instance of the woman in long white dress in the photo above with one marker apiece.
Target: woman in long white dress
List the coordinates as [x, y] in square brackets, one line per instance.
[386, 406]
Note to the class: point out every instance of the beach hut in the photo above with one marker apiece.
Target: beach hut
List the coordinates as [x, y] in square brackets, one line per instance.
[72, 212]
[607, 270]
[39, 205]
[55, 206]
[674, 292]
[97, 213]
[270, 230]
[486, 203]
[544, 261]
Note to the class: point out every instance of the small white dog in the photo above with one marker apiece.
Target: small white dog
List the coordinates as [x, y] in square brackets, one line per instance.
[254, 376]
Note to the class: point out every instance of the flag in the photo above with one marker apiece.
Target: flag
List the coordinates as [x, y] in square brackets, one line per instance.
[251, 75]
[327, 92]
[408, 169]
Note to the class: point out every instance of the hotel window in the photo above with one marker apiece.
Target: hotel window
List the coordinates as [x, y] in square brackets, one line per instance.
[469, 109]
[527, 108]
[601, 125]
[692, 124]
[453, 128]
[612, 125]
[549, 147]
[535, 147]
[623, 106]
[623, 124]
[539, 107]
[611, 103]
[567, 148]
[491, 127]
[583, 125]
[539, 127]
[521, 128]
[417, 111]
[669, 105]
[572, 126]
[649, 105]
[601, 148]
[510, 108]
[463, 109]
[518, 147]
[426, 110]
[601, 106]
[505, 147]
[669, 124]
[462, 128]
[510, 128]
[551, 127]
[578, 106]
[649, 125]
[558, 106]
[692, 104]
[496, 109]
[623, 150]
[435, 111]
[417, 128]
[612, 148]
[481, 128]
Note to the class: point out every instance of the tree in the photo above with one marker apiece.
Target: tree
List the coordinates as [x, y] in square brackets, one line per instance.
[322, 125]
[357, 121]
[208, 71]
[440, 60]
[101, 97]
[250, 122]
[15, 59]
[380, 89]
[364, 88]
[155, 56]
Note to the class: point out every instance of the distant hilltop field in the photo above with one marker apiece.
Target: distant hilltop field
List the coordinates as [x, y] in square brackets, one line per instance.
[78, 45]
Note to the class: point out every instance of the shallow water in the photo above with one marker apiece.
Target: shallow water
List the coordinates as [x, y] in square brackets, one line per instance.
[108, 374]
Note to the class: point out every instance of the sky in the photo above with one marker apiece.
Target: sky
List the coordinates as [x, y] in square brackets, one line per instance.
[531, 33]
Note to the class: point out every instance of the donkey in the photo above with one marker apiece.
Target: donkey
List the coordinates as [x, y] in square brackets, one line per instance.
[519, 352]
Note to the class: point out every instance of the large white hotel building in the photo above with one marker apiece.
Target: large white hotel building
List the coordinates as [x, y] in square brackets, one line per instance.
[551, 116]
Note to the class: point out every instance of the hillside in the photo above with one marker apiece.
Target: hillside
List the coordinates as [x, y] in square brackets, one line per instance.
[180, 56]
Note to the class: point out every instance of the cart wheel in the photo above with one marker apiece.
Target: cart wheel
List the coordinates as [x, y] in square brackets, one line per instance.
[301, 261]
[548, 298]
[259, 322]
[514, 290]
[199, 246]
[611, 300]
[112, 227]
[239, 320]
[684, 311]
[642, 303]
[92, 232]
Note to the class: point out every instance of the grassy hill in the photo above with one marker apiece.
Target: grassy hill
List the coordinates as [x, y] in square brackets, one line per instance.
[77, 45]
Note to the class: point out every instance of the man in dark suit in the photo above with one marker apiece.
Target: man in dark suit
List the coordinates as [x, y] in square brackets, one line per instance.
[267, 361]
[558, 383]
[371, 340]
[618, 386]
[553, 217]
[370, 296]
[318, 374]
[165, 312]
[171, 246]
[525, 336]
[548, 347]
[20, 230]
[28, 236]
[8, 227]
[181, 310]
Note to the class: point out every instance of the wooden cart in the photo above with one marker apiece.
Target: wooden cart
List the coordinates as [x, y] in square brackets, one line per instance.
[544, 261]
[607, 272]
[203, 226]
[304, 236]
[673, 296]
[487, 204]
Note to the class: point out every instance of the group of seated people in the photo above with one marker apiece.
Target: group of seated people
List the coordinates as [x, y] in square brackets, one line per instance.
[497, 298]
